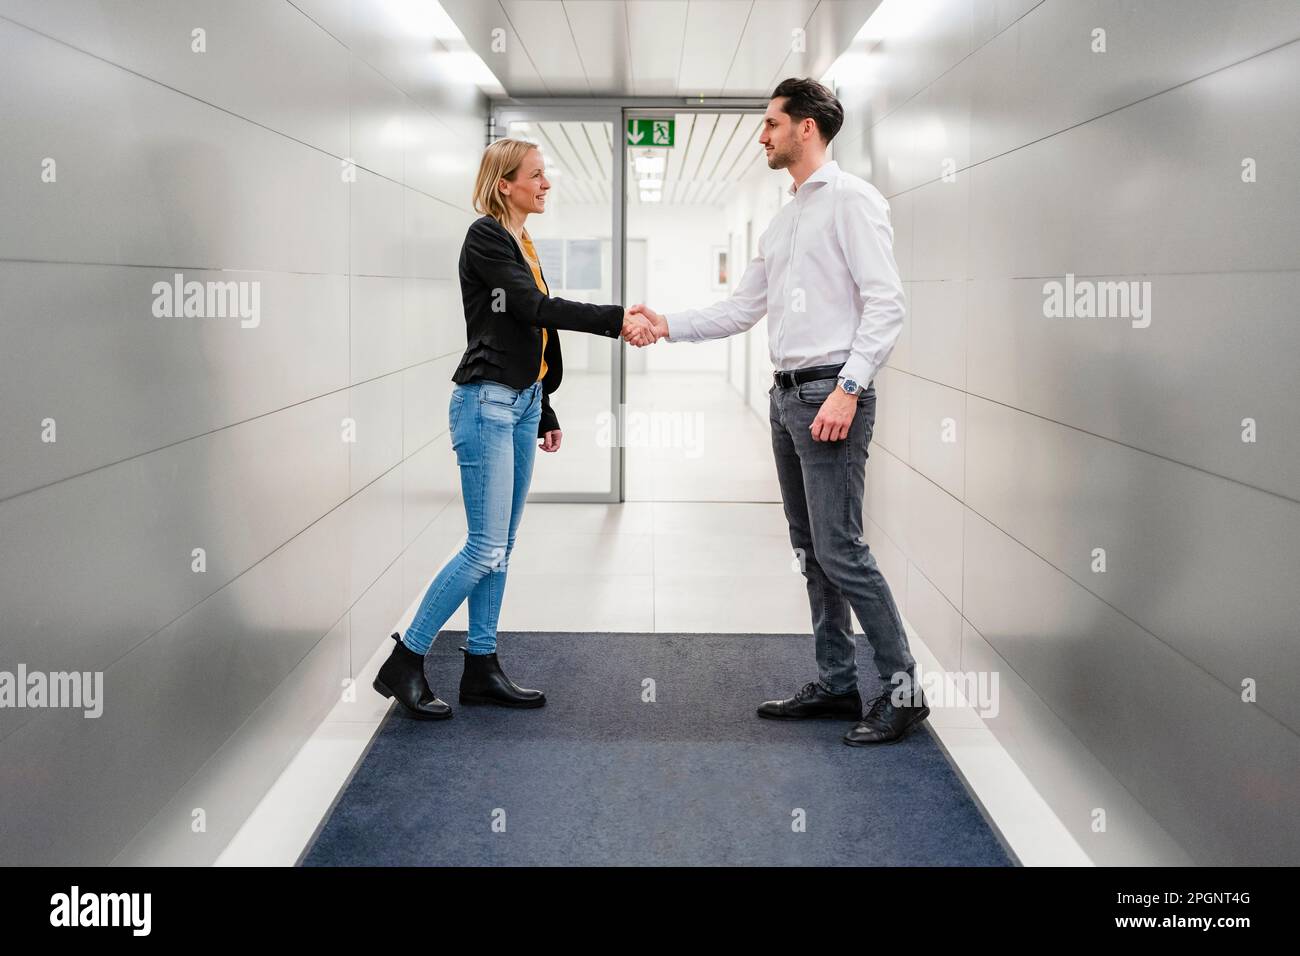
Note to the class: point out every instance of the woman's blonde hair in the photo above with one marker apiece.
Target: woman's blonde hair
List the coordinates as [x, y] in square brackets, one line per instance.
[500, 161]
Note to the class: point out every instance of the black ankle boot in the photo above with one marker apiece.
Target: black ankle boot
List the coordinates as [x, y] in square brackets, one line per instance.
[484, 683]
[402, 678]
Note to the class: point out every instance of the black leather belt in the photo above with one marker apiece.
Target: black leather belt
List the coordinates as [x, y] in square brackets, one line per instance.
[801, 375]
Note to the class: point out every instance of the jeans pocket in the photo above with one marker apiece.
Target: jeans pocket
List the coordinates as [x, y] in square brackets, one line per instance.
[867, 404]
[457, 406]
[534, 410]
[492, 393]
[816, 392]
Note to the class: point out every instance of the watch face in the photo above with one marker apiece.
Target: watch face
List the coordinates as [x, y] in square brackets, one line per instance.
[850, 386]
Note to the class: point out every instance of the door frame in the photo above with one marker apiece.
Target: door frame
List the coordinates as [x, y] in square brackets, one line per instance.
[616, 111]
[502, 115]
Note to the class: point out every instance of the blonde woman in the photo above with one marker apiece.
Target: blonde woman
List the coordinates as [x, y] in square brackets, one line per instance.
[500, 409]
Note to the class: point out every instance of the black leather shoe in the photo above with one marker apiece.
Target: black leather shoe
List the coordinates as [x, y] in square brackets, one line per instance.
[402, 678]
[483, 682]
[813, 701]
[886, 723]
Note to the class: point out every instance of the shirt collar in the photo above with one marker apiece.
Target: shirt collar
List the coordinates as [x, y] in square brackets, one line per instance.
[824, 173]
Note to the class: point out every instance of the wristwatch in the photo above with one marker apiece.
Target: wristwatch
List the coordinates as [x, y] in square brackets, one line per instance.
[848, 385]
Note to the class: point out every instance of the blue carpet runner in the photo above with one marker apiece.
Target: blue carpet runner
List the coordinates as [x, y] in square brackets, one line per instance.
[601, 776]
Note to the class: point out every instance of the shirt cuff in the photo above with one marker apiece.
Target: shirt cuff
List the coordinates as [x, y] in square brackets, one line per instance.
[858, 369]
[679, 327]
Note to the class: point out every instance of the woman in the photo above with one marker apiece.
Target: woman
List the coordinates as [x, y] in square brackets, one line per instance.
[500, 407]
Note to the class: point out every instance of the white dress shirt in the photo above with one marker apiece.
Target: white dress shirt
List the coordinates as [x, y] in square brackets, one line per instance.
[825, 277]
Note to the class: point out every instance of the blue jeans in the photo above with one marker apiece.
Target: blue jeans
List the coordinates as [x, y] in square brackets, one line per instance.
[822, 487]
[494, 434]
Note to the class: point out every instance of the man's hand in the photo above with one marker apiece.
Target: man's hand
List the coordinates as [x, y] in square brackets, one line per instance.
[835, 416]
[637, 329]
[551, 440]
[658, 323]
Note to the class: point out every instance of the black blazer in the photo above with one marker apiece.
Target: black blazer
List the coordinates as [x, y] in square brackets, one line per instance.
[505, 313]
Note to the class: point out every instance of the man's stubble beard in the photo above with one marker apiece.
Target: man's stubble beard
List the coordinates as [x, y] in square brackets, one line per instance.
[783, 160]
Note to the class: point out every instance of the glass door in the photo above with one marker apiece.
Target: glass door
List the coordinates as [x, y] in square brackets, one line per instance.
[579, 240]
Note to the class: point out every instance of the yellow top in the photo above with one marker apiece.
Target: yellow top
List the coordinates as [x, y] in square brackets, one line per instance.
[535, 264]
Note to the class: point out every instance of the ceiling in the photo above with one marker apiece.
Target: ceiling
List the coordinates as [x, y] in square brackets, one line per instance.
[713, 152]
[670, 48]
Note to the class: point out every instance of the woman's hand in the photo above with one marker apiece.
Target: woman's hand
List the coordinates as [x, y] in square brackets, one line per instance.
[637, 329]
[657, 323]
[551, 440]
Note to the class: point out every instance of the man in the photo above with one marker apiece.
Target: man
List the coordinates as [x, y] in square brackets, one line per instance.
[825, 277]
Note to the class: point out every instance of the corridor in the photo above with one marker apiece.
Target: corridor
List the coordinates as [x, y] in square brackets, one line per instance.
[279, 277]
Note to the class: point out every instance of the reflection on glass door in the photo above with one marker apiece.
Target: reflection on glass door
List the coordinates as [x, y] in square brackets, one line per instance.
[577, 242]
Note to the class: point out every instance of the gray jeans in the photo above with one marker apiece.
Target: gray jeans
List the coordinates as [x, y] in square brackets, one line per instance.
[822, 483]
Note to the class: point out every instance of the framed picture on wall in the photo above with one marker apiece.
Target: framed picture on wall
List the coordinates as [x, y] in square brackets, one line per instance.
[718, 277]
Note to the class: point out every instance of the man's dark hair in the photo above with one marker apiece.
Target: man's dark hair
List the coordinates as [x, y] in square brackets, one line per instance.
[808, 99]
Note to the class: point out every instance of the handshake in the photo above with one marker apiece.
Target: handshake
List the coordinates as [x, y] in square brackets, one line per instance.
[643, 326]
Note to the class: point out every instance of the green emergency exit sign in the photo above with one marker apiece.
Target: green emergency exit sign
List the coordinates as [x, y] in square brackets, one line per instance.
[650, 132]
